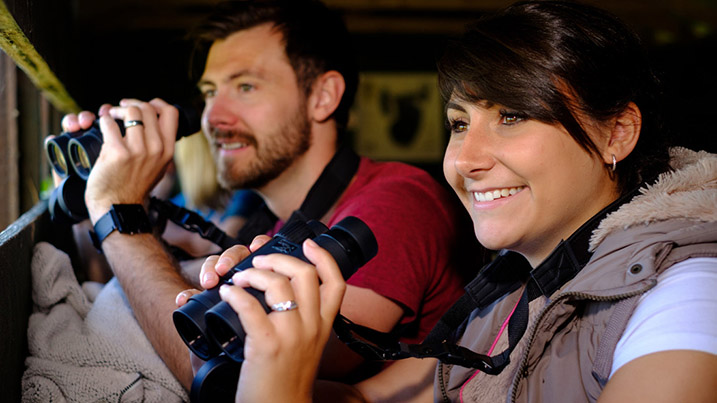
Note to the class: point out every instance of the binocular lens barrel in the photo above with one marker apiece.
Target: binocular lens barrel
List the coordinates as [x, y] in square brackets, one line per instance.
[216, 381]
[226, 331]
[55, 154]
[66, 203]
[84, 151]
[190, 323]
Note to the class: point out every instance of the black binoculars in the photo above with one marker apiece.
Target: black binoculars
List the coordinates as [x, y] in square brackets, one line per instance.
[72, 156]
[211, 328]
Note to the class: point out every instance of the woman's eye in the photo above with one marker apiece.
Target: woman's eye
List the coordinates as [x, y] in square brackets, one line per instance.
[511, 118]
[457, 125]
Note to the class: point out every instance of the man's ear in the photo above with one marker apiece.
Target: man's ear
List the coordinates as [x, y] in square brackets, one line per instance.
[624, 133]
[326, 95]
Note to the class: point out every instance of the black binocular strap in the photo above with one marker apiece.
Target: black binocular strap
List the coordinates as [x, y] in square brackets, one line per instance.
[327, 189]
[161, 210]
[441, 341]
[332, 182]
[506, 273]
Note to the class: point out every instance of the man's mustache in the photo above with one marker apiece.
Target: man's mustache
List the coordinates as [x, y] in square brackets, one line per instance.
[237, 135]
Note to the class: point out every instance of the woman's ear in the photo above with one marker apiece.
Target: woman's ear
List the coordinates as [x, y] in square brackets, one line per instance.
[328, 89]
[624, 133]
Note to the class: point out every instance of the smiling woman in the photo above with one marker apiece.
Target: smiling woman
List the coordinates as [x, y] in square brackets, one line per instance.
[557, 100]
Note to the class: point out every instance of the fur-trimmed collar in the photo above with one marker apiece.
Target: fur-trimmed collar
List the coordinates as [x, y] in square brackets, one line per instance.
[688, 192]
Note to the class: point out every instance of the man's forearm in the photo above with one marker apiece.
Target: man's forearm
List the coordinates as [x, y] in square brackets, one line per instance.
[150, 278]
[92, 264]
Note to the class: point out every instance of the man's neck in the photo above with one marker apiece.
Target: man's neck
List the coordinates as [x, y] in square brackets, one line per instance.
[285, 194]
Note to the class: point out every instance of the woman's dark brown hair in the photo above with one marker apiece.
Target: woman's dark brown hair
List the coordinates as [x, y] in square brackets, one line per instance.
[556, 61]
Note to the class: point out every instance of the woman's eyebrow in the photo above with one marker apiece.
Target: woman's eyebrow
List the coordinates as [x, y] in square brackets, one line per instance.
[453, 105]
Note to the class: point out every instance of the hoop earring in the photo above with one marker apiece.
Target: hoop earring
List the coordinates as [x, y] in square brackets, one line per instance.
[614, 163]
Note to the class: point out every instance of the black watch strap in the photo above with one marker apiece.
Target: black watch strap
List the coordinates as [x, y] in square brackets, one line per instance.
[125, 218]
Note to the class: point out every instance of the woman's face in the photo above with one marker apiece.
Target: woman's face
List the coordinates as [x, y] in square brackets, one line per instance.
[527, 185]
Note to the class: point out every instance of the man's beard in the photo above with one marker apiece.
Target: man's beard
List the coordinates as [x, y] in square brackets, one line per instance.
[275, 154]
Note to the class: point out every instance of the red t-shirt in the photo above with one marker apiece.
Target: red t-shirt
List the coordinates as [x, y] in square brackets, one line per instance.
[420, 235]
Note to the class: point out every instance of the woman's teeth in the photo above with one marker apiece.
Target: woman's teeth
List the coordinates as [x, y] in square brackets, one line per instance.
[496, 194]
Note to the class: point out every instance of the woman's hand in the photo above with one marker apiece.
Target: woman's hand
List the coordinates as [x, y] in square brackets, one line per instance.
[213, 267]
[282, 349]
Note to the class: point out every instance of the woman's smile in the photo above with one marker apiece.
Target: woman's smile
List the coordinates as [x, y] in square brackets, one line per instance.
[491, 195]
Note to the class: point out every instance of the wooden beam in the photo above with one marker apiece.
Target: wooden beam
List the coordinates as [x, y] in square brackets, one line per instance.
[9, 171]
[14, 42]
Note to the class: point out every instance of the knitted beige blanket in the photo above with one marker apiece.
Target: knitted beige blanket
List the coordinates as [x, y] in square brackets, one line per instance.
[84, 343]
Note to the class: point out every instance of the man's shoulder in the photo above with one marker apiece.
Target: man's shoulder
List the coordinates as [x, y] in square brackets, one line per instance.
[399, 168]
[391, 174]
[397, 190]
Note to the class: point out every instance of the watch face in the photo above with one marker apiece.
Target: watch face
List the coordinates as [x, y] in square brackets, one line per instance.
[131, 218]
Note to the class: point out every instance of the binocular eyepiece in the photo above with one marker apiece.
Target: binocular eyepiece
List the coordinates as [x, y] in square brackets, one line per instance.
[79, 150]
[211, 328]
[73, 154]
[76, 152]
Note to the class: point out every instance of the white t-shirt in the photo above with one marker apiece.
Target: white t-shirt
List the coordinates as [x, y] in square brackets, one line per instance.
[680, 313]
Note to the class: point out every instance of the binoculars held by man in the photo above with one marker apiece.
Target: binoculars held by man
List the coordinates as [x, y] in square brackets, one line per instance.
[72, 156]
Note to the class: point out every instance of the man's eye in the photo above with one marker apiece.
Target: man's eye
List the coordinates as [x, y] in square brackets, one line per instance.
[208, 93]
[245, 87]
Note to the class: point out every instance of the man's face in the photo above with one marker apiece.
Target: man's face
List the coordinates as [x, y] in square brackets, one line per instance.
[255, 115]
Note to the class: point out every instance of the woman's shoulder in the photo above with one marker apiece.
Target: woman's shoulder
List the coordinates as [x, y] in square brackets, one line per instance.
[674, 314]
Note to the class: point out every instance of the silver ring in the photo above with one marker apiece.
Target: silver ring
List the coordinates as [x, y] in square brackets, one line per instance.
[284, 306]
[131, 123]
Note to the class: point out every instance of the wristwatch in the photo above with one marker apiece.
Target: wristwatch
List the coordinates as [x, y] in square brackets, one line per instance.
[125, 218]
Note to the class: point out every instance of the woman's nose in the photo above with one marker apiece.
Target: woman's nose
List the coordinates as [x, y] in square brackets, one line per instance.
[473, 153]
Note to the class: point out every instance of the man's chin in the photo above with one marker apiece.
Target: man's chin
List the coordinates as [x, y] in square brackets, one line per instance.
[231, 183]
[234, 182]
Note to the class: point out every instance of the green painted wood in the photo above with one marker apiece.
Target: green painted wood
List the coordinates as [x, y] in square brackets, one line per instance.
[16, 45]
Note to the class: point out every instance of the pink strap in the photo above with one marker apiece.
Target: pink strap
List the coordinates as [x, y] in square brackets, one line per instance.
[500, 332]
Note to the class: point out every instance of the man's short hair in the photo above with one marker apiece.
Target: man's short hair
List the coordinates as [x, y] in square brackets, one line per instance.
[315, 38]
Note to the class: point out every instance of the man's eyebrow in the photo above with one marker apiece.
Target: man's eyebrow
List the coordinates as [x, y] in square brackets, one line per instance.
[204, 82]
[243, 72]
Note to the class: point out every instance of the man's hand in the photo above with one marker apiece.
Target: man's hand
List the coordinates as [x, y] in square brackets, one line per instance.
[217, 266]
[128, 167]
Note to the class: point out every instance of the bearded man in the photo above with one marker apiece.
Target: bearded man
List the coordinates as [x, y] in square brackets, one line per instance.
[278, 80]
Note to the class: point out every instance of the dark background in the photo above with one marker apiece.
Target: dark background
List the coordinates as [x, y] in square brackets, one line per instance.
[105, 50]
